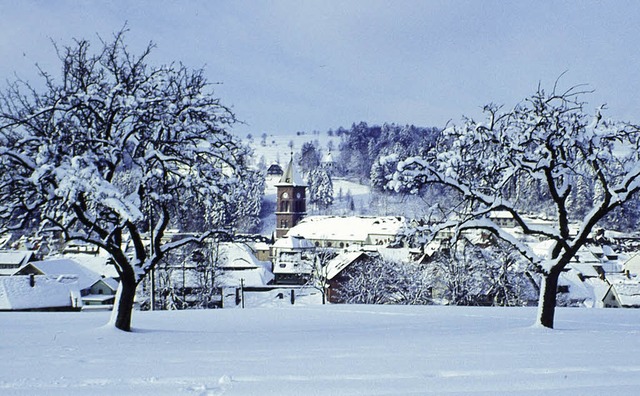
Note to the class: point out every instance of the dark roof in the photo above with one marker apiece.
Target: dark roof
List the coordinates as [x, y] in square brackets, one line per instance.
[275, 169]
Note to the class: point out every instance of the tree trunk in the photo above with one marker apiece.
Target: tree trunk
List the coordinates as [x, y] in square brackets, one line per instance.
[123, 304]
[547, 299]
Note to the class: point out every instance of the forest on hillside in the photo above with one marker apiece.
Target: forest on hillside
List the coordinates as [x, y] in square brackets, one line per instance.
[369, 154]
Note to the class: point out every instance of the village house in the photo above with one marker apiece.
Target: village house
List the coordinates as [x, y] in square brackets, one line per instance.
[274, 170]
[624, 292]
[102, 293]
[337, 272]
[239, 265]
[293, 260]
[94, 289]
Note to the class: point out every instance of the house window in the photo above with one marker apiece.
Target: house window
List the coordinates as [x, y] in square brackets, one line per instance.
[563, 289]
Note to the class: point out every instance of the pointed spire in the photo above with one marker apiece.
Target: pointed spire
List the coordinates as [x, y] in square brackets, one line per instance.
[291, 177]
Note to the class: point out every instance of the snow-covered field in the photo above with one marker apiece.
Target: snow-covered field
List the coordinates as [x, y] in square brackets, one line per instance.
[323, 350]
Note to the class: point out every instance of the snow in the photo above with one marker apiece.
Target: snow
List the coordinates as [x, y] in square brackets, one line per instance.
[323, 350]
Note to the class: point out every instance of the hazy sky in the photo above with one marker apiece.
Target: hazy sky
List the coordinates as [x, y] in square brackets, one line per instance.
[297, 65]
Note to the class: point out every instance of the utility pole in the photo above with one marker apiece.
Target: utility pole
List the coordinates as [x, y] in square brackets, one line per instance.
[242, 291]
[151, 251]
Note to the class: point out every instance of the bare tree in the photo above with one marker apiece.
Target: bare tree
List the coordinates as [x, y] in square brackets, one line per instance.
[320, 272]
[547, 142]
[111, 153]
[464, 273]
[379, 281]
[367, 282]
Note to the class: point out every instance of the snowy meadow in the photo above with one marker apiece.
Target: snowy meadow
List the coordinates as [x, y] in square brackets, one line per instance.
[323, 350]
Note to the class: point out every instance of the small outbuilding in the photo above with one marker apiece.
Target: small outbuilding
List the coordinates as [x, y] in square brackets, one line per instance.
[275, 170]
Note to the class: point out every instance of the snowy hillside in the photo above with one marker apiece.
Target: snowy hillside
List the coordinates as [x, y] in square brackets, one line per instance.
[323, 350]
[277, 148]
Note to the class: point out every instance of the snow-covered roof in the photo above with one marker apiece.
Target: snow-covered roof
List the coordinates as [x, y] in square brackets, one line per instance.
[585, 269]
[500, 214]
[611, 267]
[238, 256]
[633, 264]
[293, 242]
[586, 256]
[250, 278]
[291, 177]
[99, 264]
[86, 277]
[627, 290]
[342, 228]
[578, 291]
[261, 246]
[16, 292]
[599, 288]
[14, 259]
[101, 298]
[340, 262]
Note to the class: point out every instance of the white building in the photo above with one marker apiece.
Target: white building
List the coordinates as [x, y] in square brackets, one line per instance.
[345, 232]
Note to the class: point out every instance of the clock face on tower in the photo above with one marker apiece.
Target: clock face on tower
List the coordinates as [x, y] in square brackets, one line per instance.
[298, 195]
[285, 195]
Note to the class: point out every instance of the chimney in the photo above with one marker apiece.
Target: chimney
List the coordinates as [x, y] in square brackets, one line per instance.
[32, 280]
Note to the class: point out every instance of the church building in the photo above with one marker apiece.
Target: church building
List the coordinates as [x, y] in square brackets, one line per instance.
[291, 204]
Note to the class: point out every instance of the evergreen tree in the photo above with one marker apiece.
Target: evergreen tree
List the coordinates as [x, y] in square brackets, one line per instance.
[320, 188]
[310, 158]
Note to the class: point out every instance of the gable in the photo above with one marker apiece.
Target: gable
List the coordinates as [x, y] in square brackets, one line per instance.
[107, 286]
[610, 299]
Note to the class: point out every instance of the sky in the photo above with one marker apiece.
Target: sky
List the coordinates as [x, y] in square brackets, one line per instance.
[291, 65]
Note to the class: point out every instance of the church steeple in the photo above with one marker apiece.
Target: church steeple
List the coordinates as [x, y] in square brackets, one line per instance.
[291, 200]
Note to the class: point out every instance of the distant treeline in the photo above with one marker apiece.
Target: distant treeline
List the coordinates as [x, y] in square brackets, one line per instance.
[364, 145]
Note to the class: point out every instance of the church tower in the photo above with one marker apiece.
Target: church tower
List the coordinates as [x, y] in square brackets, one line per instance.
[291, 205]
